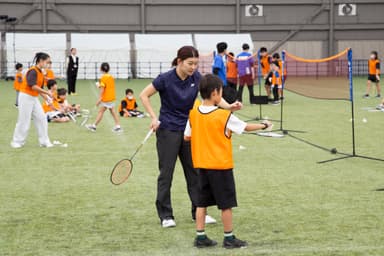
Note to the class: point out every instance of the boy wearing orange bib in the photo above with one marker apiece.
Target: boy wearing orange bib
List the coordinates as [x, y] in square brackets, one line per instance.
[52, 108]
[265, 63]
[128, 105]
[373, 74]
[18, 81]
[106, 99]
[48, 74]
[276, 82]
[209, 128]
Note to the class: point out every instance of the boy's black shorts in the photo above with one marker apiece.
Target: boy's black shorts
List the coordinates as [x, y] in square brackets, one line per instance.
[216, 187]
[267, 82]
[373, 78]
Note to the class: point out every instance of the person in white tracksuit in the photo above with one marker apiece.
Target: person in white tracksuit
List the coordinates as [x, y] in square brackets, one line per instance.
[30, 107]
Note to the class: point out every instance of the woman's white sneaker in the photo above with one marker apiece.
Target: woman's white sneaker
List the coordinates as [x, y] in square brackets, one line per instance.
[16, 145]
[168, 223]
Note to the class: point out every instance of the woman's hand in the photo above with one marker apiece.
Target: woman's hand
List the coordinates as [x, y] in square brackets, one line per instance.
[154, 124]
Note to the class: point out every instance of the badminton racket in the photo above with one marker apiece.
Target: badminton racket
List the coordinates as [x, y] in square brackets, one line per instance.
[123, 169]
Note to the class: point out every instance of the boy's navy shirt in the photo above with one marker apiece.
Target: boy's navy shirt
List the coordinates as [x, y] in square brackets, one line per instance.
[177, 98]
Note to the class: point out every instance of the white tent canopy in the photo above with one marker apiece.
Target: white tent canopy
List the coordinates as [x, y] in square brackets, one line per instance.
[93, 49]
[156, 52]
[206, 43]
[22, 47]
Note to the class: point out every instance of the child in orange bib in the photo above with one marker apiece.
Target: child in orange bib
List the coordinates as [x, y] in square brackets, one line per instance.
[210, 128]
[373, 74]
[53, 110]
[106, 99]
[128, 106]
[18, 81]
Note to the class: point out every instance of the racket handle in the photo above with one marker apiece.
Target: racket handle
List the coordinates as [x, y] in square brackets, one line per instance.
[148, 135]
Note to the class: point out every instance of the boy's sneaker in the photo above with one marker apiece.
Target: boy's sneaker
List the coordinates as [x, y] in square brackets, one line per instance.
[232, 243]
[366, 96]
[204, 243]
[168, 223]
[380, 107]
[378, 96]
[117, 129]
[91, 127]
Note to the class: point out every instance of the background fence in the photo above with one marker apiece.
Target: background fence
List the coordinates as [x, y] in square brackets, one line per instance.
[148, 69]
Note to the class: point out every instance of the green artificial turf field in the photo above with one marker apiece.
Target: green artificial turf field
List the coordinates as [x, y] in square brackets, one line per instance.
[59, 201]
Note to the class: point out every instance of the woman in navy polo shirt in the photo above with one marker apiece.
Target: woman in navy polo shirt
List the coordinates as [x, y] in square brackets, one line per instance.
[178, 89]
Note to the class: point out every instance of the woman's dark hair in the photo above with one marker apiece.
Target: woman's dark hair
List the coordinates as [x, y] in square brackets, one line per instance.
[184, 53]
[128, 91]
[276, 56]
[376, 54]
[18, 65]
[105, 67]
[208, 84]
[231, 54]
[221, 47]
[40, 56]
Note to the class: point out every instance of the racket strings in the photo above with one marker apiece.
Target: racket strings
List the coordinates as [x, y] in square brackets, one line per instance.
[121, 171]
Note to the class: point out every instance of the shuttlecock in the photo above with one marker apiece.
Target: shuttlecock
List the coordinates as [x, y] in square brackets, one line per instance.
[241, 147]
[365, 120]
[64, 145]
